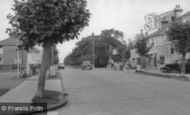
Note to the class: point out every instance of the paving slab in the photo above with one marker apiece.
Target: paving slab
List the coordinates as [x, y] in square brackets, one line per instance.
[157, 72]
[25, 92]
[22, 93]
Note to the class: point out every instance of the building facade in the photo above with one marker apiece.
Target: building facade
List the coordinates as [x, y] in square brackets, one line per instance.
[10, 54]
[162, 51]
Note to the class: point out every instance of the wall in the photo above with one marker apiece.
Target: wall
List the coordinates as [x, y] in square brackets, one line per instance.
[10, 55]
[163, 49]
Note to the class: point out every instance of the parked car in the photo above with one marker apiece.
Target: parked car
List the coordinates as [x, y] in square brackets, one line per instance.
[86, 65]
[175, 67]
[166, 68]
[61, 66]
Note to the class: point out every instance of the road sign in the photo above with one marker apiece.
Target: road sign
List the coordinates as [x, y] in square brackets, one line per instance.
[34, 58]
[152, 22]
[114, 52]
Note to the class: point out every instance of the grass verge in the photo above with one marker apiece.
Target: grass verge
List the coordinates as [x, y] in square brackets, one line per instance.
[3, 91]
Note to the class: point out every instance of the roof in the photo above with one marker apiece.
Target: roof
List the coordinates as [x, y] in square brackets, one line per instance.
[156, 33]
[9, 42]
[166, 14]
[12, 41]
[186, 14]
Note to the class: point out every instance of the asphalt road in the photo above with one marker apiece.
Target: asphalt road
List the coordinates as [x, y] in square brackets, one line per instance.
[106, 92]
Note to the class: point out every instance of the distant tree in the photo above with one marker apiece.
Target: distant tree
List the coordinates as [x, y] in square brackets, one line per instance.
[112, 33]
[179, 35]
[101, 53]
[131, 44]
[47, 22]
[142, 47]
[114, 38]
[127, 54]
[83, 50]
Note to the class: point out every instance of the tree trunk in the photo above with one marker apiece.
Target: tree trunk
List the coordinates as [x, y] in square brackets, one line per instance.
[44, 67]
[52, 54]
[183, 68]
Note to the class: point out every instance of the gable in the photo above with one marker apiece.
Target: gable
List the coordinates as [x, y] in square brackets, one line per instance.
[186, 15]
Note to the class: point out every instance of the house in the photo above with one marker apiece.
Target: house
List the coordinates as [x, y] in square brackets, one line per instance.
[11, 54]
[163, 51]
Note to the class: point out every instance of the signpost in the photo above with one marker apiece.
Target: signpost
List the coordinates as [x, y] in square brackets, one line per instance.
[114, 52]
[152, 22]
[33, 58]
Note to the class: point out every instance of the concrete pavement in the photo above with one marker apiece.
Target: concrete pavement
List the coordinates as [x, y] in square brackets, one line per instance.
[158, 73]
[103, 92]
[22, 93]
[25, 92]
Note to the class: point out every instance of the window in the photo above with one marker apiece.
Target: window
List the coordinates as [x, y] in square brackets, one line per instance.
[172, 50]
[1, 50]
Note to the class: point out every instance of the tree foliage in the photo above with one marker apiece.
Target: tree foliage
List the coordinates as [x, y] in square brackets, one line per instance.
[142, 45]
[112, 33]
[45, 23]
[83, 49]
[179, 35]
[48, 21]
[127, 53]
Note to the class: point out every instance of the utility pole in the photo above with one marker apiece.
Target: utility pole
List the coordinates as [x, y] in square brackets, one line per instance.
[123, 56]
[93, 51]
[110, 52]
[18, 61]
[123, 53]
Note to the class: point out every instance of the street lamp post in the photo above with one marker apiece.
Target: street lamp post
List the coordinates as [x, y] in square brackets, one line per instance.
[110, 52]
[123, 53]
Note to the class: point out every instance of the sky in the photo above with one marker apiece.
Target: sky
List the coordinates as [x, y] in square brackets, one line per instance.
[124, 15]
